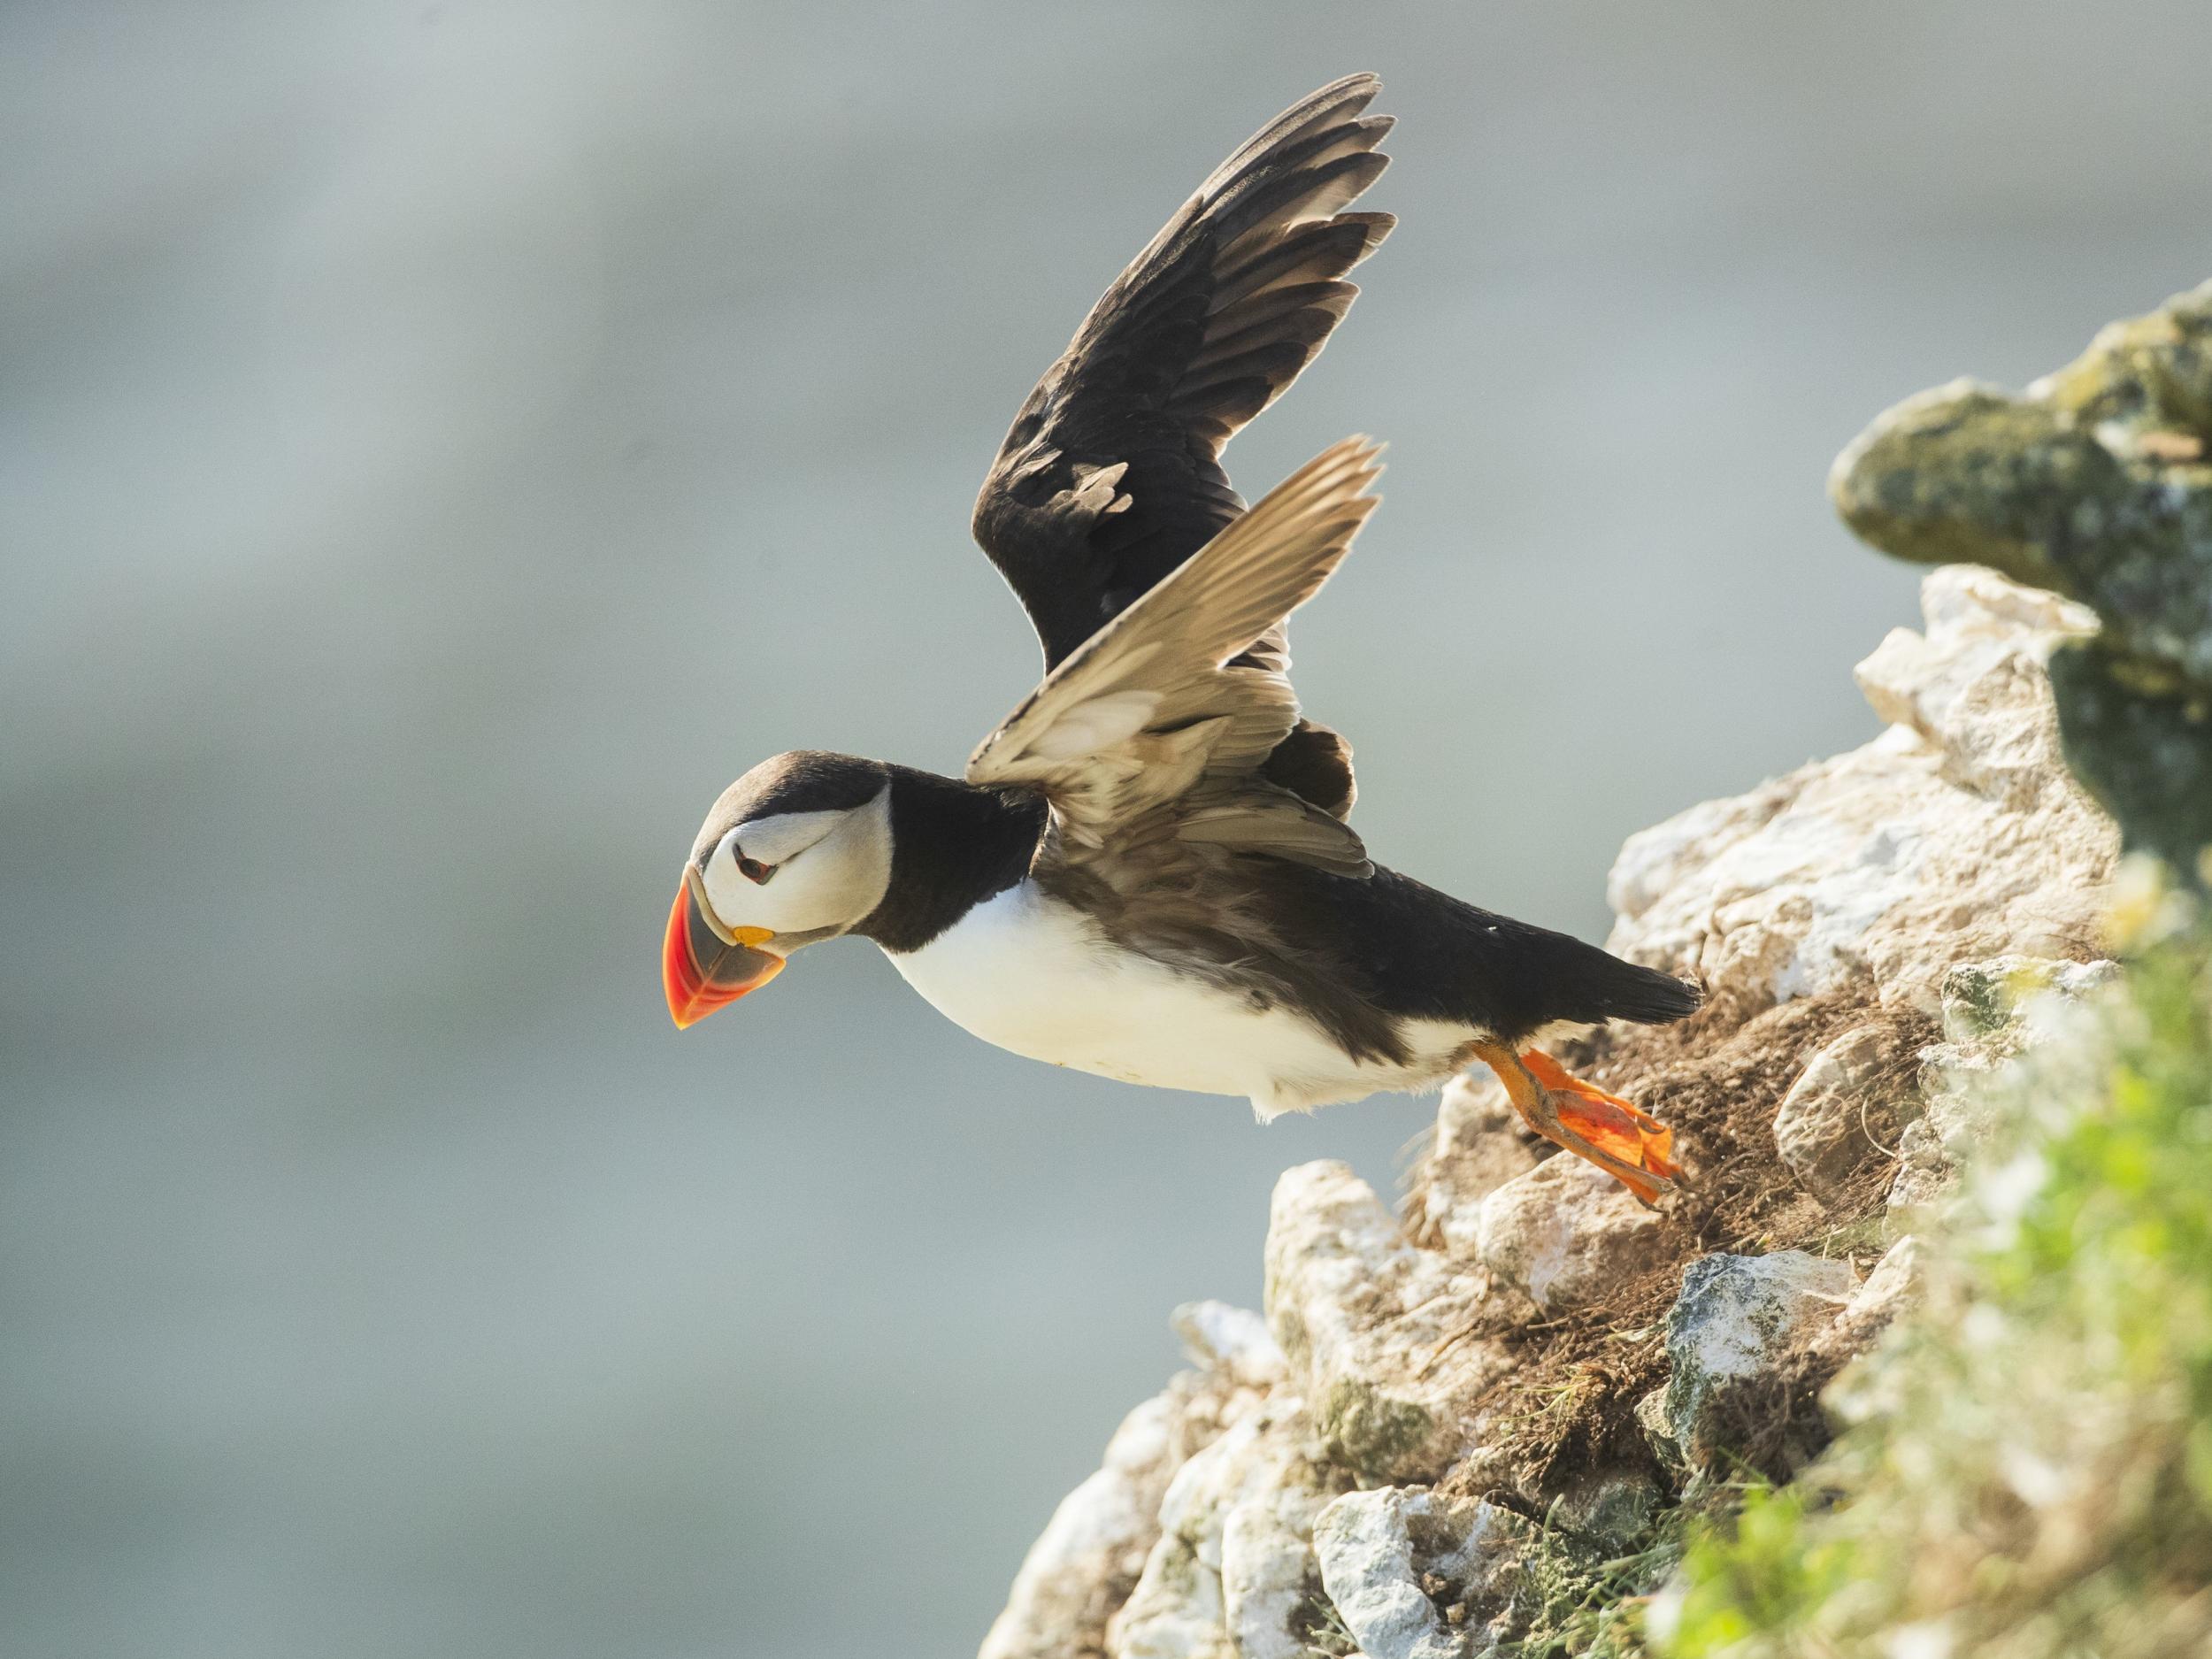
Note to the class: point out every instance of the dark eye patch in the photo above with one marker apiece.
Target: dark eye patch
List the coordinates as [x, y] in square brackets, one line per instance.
[753, 871]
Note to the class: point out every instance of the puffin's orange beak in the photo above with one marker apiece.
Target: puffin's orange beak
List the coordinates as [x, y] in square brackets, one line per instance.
[702, 971]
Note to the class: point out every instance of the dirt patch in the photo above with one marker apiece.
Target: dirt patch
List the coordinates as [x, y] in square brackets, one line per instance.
[1717, 1078]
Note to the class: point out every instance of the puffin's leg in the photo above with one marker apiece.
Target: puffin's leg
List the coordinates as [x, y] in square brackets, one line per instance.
[1634, 1148]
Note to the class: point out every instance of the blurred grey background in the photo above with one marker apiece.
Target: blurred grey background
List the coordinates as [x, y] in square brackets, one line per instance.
[441, 444]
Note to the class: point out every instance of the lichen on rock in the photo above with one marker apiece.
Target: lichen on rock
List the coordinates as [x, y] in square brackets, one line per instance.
[1737, 1319]
[2095, 484]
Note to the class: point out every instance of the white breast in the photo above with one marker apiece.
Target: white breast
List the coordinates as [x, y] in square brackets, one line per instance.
[1030, 974]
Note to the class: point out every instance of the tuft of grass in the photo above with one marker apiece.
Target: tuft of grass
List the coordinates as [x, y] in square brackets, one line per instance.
[2027, 1468]
[1325, 1635]
[1585, 1608]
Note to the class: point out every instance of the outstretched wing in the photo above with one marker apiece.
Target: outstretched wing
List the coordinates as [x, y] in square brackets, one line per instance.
[1160, 725]
[1111, 475]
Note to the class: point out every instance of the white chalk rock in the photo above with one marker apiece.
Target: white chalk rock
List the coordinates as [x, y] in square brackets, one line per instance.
[1566, 1233]
[1738, 1317]
[1973, 685]
[1376, 1329]
[1178, 1608]
[1822, 1129]
[1366, 1556]
[1957, 833]
[1268, 1573]
[1233, 1343]
[1382, 1553]
[1091, 1552]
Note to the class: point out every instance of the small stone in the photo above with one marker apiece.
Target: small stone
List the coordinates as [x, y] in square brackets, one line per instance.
[1651, 1418]
[1568, 1233]
[1479, 1550]
[1268, 1572]
[1925, 1174]
[1894, 1285]
[1389, 1557]
[1824, 1129]
[1366, 1557]
[1739, 1317]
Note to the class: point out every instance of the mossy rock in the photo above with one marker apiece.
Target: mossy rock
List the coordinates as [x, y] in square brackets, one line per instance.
[2147, 758]
[1374, 1434]
[2096, 484]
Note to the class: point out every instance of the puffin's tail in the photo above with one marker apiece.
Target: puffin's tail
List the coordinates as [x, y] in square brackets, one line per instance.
[1625, 990]
[1567, 979]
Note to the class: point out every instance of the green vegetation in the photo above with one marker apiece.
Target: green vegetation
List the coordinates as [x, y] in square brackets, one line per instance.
[1590, 1609]
[2027, 1468]
[2024, 1465]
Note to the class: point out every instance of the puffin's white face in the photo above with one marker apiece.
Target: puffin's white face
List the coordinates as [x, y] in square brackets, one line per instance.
[772, 871]
[810, 873]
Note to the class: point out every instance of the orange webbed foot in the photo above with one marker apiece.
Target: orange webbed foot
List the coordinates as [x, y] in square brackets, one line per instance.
[1628, 1144]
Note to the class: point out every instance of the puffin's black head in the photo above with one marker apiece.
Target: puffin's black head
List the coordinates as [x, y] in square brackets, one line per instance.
[797, 849]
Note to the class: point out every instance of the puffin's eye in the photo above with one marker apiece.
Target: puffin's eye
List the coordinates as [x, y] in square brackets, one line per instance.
[753, 871]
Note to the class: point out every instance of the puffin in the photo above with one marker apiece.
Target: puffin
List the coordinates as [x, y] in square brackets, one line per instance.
[1147, 871]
